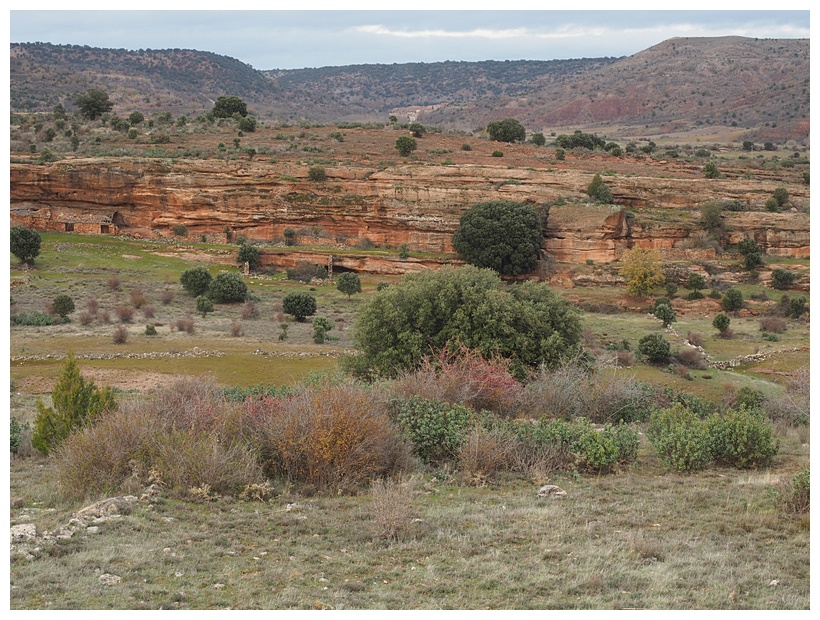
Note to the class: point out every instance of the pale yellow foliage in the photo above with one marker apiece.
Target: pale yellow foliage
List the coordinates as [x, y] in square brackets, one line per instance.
[641, 270]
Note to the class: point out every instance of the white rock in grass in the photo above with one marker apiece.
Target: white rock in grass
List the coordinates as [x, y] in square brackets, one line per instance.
[552, 491]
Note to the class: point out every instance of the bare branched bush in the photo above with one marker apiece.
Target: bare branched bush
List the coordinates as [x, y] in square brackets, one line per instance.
[483, 454]
[166, 297]
[148, 312]
[791, 405]
[773, 324]
[120, 335]
[332, 437]
[85, 318]
[695, 339]
[185, 325]
[602, 397]
[92, 305]
[236, 329]
[250, 311]
[137, 298]
[624, 359]
[124, 313]
[114, 283]
[104, 316]
[465, 377]
[691, 358]
[391, 509]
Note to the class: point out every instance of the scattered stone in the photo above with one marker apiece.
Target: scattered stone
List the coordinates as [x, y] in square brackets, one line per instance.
[108, 579]
[552, 491]
[25, 532]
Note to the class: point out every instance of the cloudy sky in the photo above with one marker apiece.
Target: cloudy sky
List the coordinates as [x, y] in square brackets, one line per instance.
[317, 38]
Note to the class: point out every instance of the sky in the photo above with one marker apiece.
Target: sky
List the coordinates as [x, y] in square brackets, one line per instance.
[295, 39]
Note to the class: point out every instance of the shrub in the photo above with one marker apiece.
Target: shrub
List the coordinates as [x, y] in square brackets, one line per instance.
[62, 305]
[195, 281]
[236, 329]
[331, 436]
[466, 147]
[317, 174]
[680, 438]
[711, 171]
[497, 154]
[299, 305]
[732, 300]
[180, 230]
[113, 283]
[406, 145]
[691, 358]
[507, 130]
[321, 326]
[120, 335]
[793, 496]
[16, 434]
[77, 402]
[250, 310]
[665, 314]
[500, 234]
[695, 339]
[305, 272]
[781, 196]
[85, 318]
[33, 318]
[741, 438]
[290, 237]
[228, 287]
[782, 279]
[391, 508]
[526, 323]
[696, 282]
[124, 313]
[773, 324]
[137, 298]
[185, 325]
[599, 191]
[435, 429]
[654, 347]
[150, 330]
[464, 377]
[148, 312]
[595, 451]
[204, 305]
[166, 297]
[483, 453]
[721, 322]
[791, 405]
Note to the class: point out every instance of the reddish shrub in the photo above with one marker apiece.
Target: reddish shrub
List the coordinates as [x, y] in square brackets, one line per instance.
[85, 318]
[92, 306]
[124, 313]
[250, 310]
[148, 312]
[137, 298]
[773, 324]
[237, 329]
[114, 283]
[120, 335]
[691, 358]
[166, 297]
[185, 325]
[464, 377]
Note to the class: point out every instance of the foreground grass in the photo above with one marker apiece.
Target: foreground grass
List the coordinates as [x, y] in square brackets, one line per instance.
[642, 539]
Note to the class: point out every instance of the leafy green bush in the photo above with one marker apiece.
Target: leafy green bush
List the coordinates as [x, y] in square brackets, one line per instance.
[655, 348]
[680, 438]
[63, 305]
[204, 305]
[33, 318]
[349, 283]
[25, 243]
[595, 451]
[77, 402]
[721, 322]
[16, 434]
[436, 429]
[508, 130]
[228, 287]
[794, 495]
[741, 438]
[321, 326]
[317, 174]
[299, 305]
[599, 191]
[732, 300]
[195, 280]
[782, 278]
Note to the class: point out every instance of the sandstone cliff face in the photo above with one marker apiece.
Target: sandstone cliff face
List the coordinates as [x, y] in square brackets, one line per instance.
[419, 205]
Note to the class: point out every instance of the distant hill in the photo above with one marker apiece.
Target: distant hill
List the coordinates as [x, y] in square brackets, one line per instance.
[761, 86]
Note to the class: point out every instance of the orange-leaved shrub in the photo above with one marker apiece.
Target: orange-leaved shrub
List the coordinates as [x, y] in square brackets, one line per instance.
[330, 436]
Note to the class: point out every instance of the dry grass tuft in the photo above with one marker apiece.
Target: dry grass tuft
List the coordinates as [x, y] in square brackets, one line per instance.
[391, 511]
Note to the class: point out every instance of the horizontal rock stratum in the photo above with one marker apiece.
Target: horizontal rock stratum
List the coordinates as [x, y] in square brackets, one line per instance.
[416, 204]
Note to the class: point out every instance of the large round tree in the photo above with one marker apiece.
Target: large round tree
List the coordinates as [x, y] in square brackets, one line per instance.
[508, 130]
[500, 234]
[427, 311]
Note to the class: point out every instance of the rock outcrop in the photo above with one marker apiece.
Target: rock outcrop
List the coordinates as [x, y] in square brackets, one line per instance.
[418, 205]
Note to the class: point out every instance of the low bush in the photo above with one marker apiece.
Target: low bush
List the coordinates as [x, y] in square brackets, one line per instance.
[227, 287]
[773, 324]
[793, 495]
[741, 438]
[680, 438]
[691, 358]
[34, 318]
[436, 429]
[331, 436]
[464, 377]
[137, 298]
[782, 279]
[148, 312]
[185, 325]
[166, 297]
[250, 311]
[305, 272]
[655, 348]
[695, 339]
[483, 453]
[236, 330]
[391, 509]
[124, 313]
[114, 283]
[791, 405]
[120, 335]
